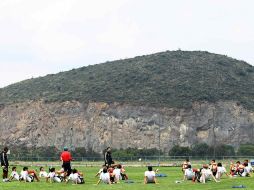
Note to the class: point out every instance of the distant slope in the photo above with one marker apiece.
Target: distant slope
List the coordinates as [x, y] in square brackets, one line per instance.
[172, 78]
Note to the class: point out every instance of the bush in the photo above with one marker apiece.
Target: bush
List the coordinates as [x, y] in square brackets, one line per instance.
[134, 152]
[203, 150]
[180, 151]
[246, 150]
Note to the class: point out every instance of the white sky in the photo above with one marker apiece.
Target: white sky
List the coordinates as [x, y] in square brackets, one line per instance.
[39, 37]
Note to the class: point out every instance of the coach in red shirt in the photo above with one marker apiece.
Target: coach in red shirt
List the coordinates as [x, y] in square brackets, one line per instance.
[66, 158]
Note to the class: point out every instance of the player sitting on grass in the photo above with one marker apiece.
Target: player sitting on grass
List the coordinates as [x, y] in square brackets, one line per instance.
[61, 174]
[34, 174]
[197, 175]
[25, 176]
[111, 174]
[104, 177]
[247, 161]
[76, 177]
[52, 176]
[213, 167]
[43, 173]
[188, 173]
[123, 173]
[117, 173]
[114, 172]
[206, 174]
[14, 174]
[233, 169]
[247, 170]
[185, 164]
[220, 171]
[239, 168]
[150, 176]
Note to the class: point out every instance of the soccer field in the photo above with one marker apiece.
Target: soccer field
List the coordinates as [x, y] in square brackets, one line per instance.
[136, 174]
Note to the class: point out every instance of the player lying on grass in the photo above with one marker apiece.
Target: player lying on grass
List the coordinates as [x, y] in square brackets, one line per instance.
[150, 176]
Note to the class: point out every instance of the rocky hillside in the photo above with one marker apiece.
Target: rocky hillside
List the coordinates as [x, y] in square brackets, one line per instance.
[152, 101]
[97, 125]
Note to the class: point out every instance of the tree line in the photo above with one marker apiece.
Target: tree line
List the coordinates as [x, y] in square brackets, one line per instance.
[204, 150]
[197, 150]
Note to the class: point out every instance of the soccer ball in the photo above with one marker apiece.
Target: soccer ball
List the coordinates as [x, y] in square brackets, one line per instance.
[139, 159]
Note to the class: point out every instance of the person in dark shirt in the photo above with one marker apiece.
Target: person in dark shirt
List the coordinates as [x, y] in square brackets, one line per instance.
[107, 157]
[5, 163]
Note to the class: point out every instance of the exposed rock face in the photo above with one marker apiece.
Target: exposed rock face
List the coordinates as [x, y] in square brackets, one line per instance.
[98, 125]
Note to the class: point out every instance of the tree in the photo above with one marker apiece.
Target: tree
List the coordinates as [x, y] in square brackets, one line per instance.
[224, 150]
[180, 151]
[246, 150]
[201, 149]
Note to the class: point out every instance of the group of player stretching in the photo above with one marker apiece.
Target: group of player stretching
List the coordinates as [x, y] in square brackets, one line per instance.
[214, 171]
[27, 175]
[65, 174]
[111, 173]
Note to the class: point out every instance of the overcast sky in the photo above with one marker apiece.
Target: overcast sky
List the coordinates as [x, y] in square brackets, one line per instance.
[39, 37]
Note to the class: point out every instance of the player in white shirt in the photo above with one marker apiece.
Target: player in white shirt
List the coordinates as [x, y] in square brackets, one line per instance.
[185, 164]
[247, 170]
[14, 174]
[188, 173]
[249, 164]
[117, 173]
[52, 177]
[43, 173]
[220, 171]
[61, 173]
[150, 176]
[76, 177]
[206, 174]
[25, 176]
[104, 177]
[70, 178]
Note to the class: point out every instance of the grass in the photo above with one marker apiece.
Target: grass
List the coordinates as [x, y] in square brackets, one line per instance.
[135, 174]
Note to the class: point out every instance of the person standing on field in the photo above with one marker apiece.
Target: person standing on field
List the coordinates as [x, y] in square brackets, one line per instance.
[107, 157]
[5, 163]
[66, 159]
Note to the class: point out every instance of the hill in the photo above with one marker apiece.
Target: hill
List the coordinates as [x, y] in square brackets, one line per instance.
[171, 79]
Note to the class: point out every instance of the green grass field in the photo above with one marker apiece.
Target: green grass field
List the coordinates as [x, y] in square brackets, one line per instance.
[135, 174]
